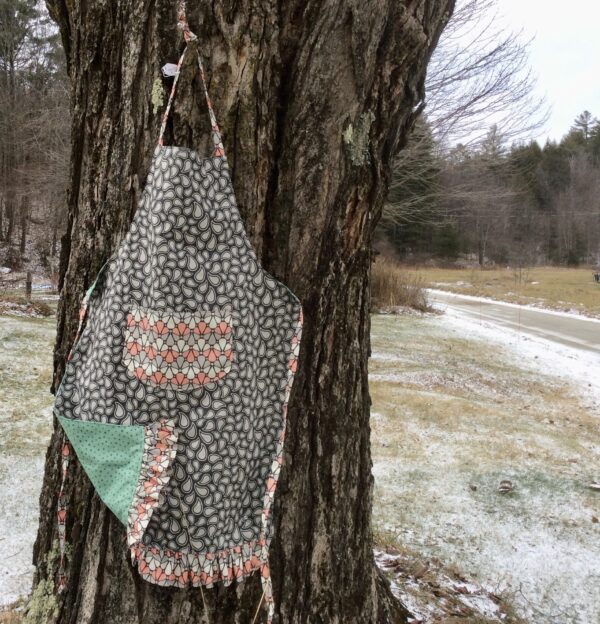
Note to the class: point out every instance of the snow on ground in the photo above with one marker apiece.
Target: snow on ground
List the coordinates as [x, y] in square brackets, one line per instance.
[579, 367]
[25, 418]
[539, 307]
[461, 405]
[431, 592]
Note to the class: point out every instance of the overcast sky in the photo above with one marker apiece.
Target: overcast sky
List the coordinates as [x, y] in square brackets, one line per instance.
[565, 55]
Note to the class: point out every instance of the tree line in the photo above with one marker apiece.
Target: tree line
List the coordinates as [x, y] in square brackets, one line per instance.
[35, 122]
[523, 204]
[479, 71]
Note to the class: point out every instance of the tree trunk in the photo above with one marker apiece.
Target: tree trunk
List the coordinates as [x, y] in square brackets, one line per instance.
[314, 99]
[10, 211]
[56, 214]
[24, 217]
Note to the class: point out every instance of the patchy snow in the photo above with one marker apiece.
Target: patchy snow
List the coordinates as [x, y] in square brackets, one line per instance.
[462, 405]
[18, 521]
[431, 593]
[458, 283]
[537, 308]
[577, 366]
[26, 419]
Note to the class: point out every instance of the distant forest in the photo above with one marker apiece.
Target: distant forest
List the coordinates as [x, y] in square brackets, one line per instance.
[525, 204]
[35, 121]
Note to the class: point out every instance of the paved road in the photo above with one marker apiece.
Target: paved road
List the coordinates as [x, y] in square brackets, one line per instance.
[578, 333]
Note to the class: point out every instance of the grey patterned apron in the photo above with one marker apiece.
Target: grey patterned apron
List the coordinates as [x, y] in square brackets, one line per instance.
[175, 394]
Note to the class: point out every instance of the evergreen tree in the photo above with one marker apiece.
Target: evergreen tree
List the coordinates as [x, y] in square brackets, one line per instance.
[584, 124]
[594, 143]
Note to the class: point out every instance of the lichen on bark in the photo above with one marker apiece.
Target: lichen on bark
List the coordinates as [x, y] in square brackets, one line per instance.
[158, 96]
[42, 606]
[357, 139]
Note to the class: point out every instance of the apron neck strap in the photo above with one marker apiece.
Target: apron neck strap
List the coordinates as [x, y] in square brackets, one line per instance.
[188, 37]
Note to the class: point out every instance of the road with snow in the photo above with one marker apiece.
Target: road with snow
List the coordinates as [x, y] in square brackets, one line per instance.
[564, 329]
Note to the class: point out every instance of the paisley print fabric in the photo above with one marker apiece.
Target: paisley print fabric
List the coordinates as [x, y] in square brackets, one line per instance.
[189, 338]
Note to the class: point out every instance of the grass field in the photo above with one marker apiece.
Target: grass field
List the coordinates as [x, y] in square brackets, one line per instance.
[551, 287]
[25, 416]
[452, 417]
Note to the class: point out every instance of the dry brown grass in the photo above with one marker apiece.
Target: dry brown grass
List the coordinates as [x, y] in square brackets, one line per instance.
[392, 287]
[10, 614]
[13, 304]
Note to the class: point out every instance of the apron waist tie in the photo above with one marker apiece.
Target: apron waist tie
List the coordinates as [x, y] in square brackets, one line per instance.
[267, 585]
[62, 515]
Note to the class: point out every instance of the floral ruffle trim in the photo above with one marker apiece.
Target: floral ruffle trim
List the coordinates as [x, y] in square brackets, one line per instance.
[173, 568]
[178, 569]
[160, 446]
[63, 504]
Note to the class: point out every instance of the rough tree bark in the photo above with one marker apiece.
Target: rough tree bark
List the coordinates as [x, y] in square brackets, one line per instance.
[314, 98]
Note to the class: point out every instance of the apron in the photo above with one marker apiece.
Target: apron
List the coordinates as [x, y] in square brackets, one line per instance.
[175, 394]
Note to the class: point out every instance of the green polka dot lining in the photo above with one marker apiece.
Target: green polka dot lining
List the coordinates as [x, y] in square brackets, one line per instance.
[111, 455]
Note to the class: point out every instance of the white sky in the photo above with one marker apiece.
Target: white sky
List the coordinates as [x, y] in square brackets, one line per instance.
[565, 55]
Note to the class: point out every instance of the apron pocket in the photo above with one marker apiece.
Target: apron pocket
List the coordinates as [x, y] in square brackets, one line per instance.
[178, 350]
